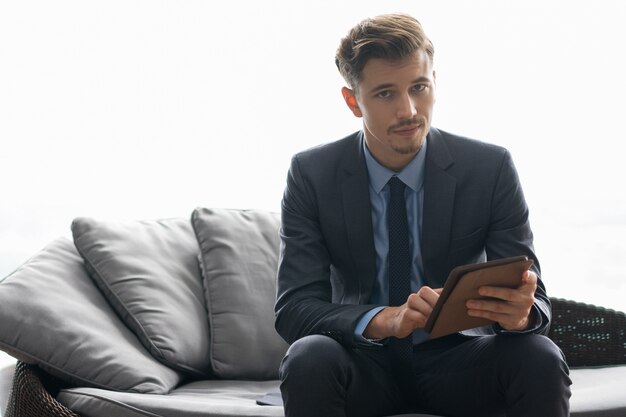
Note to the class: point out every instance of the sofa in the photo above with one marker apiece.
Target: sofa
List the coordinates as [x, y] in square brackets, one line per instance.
[174, 317]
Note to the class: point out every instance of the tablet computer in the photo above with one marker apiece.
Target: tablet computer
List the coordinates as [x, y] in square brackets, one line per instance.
[450, 313]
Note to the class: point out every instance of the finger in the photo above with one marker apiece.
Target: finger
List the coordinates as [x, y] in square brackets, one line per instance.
[490, 315]
[509, 294]
[429, 295]
[438, 290]
[501, 293]
[529, 278]
[490, 306]
[508, 315]
[504, 320]
[528, 283]
[421, 304]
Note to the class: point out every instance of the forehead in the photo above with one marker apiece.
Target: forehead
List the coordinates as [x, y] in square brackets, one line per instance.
[406, 70]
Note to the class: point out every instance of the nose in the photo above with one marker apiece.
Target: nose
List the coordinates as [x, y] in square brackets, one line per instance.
[407, 107]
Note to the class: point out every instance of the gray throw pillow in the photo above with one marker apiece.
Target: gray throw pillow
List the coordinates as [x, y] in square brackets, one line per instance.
[148, 271]
[52, 314]
[239, 261]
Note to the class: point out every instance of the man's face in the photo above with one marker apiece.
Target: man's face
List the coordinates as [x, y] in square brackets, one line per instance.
[395, 100]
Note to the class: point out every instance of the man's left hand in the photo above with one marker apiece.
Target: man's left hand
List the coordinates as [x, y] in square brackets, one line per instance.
[512, 306]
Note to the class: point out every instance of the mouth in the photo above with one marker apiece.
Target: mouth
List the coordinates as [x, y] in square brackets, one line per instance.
[407, 130]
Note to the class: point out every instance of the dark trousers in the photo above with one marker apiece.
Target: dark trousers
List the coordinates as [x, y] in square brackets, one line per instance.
[521, 375]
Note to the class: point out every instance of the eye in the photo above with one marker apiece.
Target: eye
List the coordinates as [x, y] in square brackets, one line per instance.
[384, 94]
[418, 88]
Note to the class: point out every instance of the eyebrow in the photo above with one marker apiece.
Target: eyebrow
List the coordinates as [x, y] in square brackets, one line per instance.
[386, 86]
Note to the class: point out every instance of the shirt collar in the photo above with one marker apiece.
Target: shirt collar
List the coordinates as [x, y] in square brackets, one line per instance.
[412, 175]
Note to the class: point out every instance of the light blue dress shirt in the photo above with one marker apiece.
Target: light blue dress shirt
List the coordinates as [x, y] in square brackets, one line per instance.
[412, 176]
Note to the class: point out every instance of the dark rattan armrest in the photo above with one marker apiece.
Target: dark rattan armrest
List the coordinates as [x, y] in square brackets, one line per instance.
[588, 335]
[32, 394]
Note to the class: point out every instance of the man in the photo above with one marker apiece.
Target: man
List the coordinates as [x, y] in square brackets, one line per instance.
[371, 226]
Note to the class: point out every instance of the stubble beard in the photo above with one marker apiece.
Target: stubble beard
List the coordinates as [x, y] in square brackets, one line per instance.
[410, 149]
[413, 147]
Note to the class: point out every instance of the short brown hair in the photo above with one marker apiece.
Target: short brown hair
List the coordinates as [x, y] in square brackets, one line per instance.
[390, 36]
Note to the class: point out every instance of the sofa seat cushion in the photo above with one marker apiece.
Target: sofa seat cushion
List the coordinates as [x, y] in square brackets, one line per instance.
[197, 399]
[213, 398]
[598, 392]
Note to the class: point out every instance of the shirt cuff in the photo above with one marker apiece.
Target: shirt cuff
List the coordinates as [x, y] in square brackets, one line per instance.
[362, 325]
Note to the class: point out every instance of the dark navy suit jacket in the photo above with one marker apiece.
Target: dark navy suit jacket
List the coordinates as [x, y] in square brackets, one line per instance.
[474, 210]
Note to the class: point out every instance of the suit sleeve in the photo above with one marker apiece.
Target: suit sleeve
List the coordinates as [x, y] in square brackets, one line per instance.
[510, 234]
[304, 293]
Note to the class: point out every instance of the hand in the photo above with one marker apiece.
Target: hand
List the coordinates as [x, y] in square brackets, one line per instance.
[400, 321]
[512, 308]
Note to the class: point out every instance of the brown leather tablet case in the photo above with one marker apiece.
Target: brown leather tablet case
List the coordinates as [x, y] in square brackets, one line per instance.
[450, 313]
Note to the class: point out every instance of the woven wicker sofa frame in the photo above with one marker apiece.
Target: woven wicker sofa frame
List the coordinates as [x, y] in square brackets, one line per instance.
[589, 335]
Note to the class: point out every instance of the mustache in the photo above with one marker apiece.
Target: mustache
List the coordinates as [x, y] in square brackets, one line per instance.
[406, 122]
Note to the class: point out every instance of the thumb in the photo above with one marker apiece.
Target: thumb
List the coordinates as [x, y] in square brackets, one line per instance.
[529, 278]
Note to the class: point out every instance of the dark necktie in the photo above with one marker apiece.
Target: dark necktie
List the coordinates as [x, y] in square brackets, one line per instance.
[399, 251]
[399, 275]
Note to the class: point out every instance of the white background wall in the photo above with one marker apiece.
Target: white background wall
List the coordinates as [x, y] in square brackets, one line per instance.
[146, 109]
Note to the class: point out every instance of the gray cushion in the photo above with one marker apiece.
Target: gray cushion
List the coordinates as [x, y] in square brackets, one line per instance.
[598, 392]
[148, 270]
[198, 399]
[239, 260]
[53, 315]
[215, 398]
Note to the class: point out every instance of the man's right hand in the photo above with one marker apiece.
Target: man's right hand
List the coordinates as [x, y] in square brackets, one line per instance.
[400, 321]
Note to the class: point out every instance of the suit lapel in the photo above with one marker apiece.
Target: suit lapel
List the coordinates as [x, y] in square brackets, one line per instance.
[358, 218]
[439, 191]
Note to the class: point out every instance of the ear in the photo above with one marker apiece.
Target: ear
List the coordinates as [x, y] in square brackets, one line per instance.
[350, 99]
